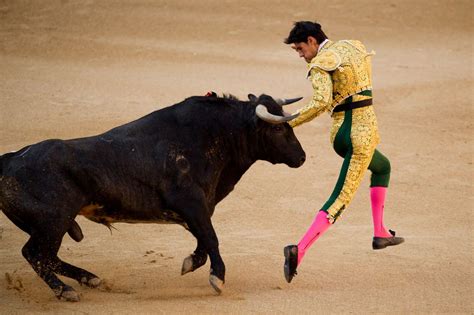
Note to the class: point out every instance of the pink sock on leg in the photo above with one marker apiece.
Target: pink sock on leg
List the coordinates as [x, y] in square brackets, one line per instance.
[377, 199]
[317, 228]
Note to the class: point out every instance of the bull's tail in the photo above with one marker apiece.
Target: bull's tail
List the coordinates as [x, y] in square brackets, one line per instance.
[74, 231]
[2, 162]
[3, 165]
[2, 159]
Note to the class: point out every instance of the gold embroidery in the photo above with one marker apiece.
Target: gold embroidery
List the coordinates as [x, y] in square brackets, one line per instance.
[348, 66]
[364, 138]
[340, 70]
[354, 74]
[322, 97]
[326, 60]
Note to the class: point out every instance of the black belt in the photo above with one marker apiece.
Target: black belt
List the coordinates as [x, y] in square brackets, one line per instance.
[353, 105]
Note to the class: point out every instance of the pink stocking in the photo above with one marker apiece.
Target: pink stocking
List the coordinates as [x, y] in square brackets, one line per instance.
[377, 198]
[317, 228]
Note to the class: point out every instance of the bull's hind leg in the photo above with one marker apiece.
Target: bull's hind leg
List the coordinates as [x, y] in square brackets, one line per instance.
[41, 252]
[82, 276]
[64, 269]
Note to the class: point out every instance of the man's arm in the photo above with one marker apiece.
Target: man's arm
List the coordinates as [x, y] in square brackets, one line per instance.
[322, 97]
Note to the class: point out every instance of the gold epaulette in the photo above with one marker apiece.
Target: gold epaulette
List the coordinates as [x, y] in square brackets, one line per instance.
[326, 60]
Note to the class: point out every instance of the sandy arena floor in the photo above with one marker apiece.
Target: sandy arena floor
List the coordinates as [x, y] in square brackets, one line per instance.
[76, 68]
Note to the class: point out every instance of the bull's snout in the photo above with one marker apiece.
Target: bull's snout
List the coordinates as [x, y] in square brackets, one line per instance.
[297, 161]
[302, 159]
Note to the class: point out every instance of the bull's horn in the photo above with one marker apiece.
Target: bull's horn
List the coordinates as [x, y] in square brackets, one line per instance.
[263, 114]
[286, 101]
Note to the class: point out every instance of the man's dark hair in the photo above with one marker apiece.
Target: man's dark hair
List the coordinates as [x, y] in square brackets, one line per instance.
[301, 30]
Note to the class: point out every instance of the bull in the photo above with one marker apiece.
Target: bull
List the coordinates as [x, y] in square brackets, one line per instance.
[173, 165]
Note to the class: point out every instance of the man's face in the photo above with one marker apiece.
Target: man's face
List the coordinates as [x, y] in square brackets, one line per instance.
[307, 50]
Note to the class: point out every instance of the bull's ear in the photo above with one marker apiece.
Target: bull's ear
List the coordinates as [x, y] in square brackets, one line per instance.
[252, 98]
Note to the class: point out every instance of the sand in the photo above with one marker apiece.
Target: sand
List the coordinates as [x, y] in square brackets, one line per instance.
[77, 68]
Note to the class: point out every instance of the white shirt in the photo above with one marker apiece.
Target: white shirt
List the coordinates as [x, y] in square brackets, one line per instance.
[322, 44]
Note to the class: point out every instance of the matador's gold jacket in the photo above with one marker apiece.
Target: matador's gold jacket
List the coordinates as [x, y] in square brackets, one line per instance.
[339, 70]
[341, 73]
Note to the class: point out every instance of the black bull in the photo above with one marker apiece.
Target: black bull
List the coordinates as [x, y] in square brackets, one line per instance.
[171, 166]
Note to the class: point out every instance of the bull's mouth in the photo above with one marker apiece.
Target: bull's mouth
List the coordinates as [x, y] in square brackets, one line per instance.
[298, 162]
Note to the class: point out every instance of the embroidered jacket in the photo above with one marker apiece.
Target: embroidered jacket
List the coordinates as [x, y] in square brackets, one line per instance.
[339, 70]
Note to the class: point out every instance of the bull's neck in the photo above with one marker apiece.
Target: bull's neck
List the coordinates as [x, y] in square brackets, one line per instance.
[239, 158]
[241, 145]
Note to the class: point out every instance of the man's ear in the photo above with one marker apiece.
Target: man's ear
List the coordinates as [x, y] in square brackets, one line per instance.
[312, 41]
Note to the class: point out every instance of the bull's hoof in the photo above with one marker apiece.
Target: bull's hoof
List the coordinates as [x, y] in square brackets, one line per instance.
[216, 283]
[187, 265]
[70, 296]
[94, 282]
[91, 283]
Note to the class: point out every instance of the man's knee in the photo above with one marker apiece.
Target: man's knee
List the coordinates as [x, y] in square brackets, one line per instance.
[386, 167]
[381, 168]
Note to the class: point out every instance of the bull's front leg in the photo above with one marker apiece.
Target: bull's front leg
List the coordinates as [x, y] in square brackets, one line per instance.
[191, 206]
[195, 213]
[201, 227]
[195, 260]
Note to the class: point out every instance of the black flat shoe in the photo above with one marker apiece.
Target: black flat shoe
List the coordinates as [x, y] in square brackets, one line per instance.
[291, 262]
[382, 242]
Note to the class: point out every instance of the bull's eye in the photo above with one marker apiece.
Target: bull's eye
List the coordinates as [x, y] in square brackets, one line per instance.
[278, 128]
